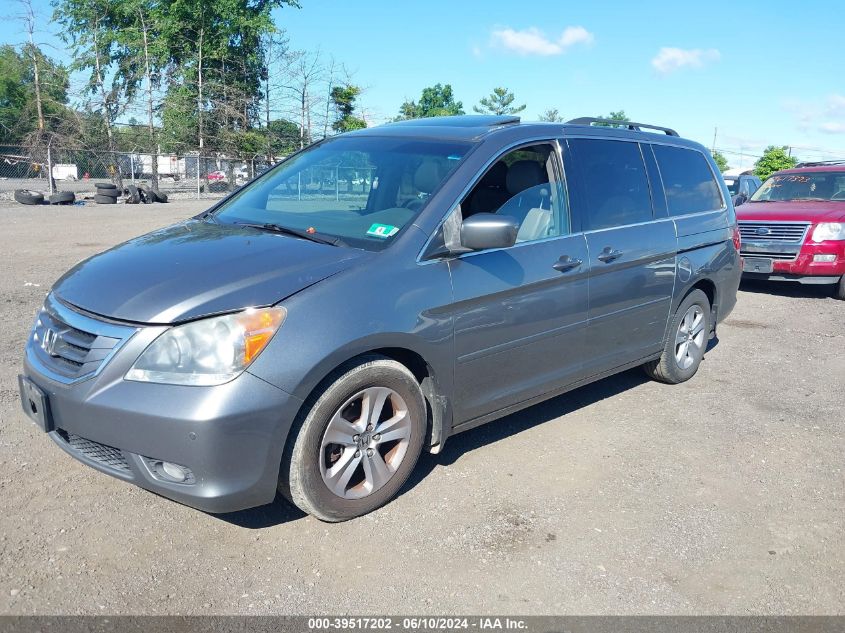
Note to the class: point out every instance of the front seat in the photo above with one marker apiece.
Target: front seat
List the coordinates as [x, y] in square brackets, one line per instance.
[426, 178]
[528, 183]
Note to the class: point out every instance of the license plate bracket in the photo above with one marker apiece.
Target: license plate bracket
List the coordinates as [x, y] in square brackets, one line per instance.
[35, 404]
[758, 265]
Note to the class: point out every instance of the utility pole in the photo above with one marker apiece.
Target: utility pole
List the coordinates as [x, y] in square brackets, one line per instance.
[715, 131]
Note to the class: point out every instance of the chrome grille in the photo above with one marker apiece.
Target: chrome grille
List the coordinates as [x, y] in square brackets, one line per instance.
[781, 232]
[105, 455]
[68, 346]
[781, 257]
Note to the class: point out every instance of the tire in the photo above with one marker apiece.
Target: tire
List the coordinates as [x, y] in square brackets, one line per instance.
[308, 459]
[62, 197]
[112, 193]
[839, 289]
[157, 196]
[101, 199]
[145, 195]
[678, 363]
[134, 195]
[25, 196]
[106, 185]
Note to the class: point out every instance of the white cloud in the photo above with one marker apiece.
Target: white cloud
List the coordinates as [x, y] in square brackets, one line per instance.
[832, 127]
[836, 104]
[532, 41]
[670, 59]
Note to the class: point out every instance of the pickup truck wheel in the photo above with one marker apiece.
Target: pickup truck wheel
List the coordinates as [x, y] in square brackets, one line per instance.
[839, 291]
[686, 340]
[358, 442]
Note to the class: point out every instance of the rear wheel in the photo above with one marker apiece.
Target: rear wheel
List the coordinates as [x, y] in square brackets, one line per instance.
[686, 341]
[839, 290]
[358, 442]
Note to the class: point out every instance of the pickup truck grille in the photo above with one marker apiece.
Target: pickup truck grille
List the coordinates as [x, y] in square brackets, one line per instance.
[780, 232]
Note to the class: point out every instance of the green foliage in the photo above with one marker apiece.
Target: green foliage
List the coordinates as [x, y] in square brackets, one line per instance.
[283, 137]
[436, 100]
[551, 116]
[721, 161]
[343, 98]
[18, 113]
[773, 159]
[613, 116]
[500, 101]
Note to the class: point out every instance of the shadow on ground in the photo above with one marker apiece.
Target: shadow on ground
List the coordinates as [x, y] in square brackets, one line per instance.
[788, 289]
[280, 511]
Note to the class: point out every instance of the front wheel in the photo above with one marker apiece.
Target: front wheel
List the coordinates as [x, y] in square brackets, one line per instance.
[686, 340]
[839, 291]
[358, 443]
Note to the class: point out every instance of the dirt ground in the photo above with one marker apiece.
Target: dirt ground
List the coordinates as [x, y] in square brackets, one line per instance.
[723, 495]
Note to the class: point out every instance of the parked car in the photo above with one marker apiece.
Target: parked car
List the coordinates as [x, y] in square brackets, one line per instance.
[741, 186]
[793, 227]
[318, 347]
[215, 176]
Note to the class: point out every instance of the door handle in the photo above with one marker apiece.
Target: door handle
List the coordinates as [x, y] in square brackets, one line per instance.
[609, 254]
[566, 263]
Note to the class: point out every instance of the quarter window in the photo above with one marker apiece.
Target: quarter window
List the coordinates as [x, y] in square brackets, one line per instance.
[614, 181]
[688, 180]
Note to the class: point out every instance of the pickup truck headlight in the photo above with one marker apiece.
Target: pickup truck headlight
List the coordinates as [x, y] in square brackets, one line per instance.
[209, 351]
[825, 231]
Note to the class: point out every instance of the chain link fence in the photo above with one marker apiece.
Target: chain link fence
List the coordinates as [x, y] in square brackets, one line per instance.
[180, 176]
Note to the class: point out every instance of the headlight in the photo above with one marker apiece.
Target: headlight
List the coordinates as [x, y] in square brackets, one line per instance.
[829, 231]
[210, 351]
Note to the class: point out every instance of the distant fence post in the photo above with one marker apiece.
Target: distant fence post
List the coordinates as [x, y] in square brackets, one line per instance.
[198, 175]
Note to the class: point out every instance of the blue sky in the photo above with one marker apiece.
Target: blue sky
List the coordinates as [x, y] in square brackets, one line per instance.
[761, 72]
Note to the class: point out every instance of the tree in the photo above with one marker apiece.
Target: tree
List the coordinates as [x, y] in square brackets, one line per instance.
[343, 98]
[721, 161]
[283, 137]
[436, 100]
[551, 116]
[19, 100]
[773, 159]
[500, 101]
[613, 116]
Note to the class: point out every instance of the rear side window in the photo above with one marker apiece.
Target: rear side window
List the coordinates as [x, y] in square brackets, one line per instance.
[614, 182]
[687, 179]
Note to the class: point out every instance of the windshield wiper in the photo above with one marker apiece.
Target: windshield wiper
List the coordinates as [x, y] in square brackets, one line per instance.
[305, 235]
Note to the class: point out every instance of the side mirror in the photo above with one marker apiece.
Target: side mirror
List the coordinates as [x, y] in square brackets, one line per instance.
[488, 230]
[739, 199]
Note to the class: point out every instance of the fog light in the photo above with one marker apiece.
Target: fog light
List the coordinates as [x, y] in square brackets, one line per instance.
[824, 258]
[170, 472]
[174, 471]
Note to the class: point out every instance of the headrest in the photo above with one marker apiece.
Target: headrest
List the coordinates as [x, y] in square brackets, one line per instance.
[427, 176]
[523, 175]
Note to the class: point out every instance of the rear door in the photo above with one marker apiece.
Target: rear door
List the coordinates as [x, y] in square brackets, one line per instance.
[521, 312]
[632, 252]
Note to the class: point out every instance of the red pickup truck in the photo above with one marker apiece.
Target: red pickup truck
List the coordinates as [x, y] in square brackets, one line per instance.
[793, 227]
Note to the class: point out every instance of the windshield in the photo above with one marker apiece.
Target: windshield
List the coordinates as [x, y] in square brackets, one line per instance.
[361, 189]
[733, 185]
[816, 185]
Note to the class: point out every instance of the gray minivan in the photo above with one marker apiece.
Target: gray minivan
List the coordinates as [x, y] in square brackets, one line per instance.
[376, 293]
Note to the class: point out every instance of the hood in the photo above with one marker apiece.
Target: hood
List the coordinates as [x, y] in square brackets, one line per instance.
[796, 211]
[195, 269]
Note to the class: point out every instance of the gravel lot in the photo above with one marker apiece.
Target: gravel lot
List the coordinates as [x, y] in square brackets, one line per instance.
[723, 495]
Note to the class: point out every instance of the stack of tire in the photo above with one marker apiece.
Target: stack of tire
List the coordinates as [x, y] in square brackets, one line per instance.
[107, 193]
[26, 196]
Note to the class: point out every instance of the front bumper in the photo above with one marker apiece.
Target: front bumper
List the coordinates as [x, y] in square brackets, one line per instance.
[802, 268]
[231, 436]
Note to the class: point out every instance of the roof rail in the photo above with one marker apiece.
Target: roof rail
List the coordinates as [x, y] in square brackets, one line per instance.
[821, 163]
[588, 120]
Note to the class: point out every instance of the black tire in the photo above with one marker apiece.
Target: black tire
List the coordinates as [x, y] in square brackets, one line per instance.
[300, 479]
[101, 199]
[106, 185]
[145, 195]
[134, 195]
[25, 196]
[157, 196]
[62, 197]
[112, 193]
[667, 368]
[839, 289]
